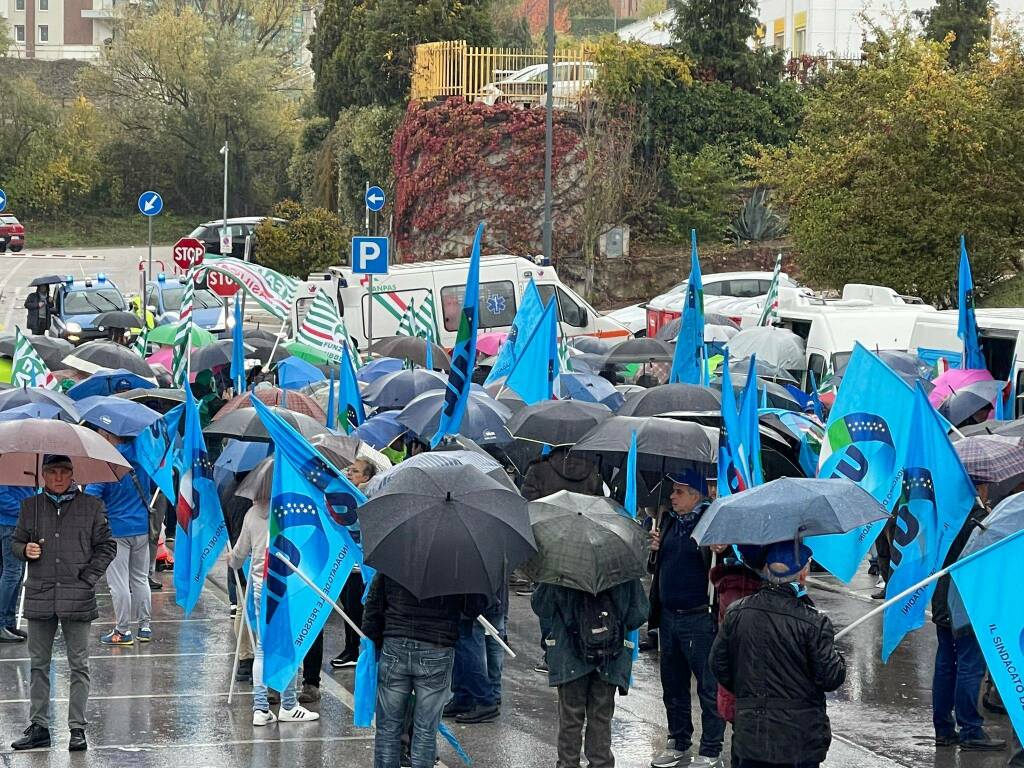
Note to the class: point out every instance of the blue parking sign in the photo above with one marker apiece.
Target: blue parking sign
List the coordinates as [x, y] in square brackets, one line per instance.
[370, 255]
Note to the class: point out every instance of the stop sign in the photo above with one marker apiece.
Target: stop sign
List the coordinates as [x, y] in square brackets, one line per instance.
[221, 285]
[188, 252]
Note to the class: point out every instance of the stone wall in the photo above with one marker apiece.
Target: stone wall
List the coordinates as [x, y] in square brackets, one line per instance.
[56, 79]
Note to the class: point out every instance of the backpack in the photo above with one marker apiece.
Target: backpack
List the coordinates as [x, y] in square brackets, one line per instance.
[598, 631]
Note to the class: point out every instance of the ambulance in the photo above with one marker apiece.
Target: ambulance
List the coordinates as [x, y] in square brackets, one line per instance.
[437, 288]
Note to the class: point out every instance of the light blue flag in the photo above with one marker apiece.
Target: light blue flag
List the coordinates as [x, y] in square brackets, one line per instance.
[989, 582]
[332, 408]
[365, 693]
[238, 348]
[967, 323]
[530, 310]
[937, 496]
[452, 740]
[733, 476]
[464, 354]
[864, 441]
[630, 500]
[311, 506]
[819, 410]
[749, 428]
[1004, 400]
[688, 358]
[536, 367]
[202, 533]
[155, 450]
[349, 399]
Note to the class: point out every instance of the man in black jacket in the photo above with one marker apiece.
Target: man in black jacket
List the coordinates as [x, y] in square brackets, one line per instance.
[776, 653]
[416, 639]
[681, 612]
[63, 535]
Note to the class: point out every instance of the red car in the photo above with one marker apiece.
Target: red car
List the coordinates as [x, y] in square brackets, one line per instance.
[12, 233]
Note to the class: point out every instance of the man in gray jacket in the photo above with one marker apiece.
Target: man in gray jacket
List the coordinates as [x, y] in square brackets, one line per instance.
[63, 535]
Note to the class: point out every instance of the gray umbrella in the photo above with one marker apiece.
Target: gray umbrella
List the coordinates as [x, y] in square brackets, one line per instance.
[411, 348]
[396, 390]
[257, 485]
[663, 445]
[642, 350]
[53, 350]
[118, 319]
[483, 421]
[445, 458]
[990, 458]
[214, 355]
[96, 356]
[245, 424]
[585, 542]
[775, 346]
[446, 531]
[671, 397]
[786, 509]
[12, 398]
[557, 422]
[963, 404]
[762, 369]
[670, 330]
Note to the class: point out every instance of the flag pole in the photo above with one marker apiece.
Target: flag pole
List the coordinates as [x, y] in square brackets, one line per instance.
[280, 556]
[490, 630]
[238, 641]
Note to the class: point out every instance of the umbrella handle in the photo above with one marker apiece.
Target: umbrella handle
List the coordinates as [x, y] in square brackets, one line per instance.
[490, 630]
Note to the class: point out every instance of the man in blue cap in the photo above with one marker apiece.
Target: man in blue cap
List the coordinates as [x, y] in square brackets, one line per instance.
[681, 600]
[776, 653]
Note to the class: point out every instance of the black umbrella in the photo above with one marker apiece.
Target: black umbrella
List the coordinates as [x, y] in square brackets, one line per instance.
[118, 319]
[96, 356]
[446, 531]
[557, 422]
[216, 354]
[398, 389]
[963, 404]
[245, 424]
[483, 421]
[161, 400]
[591, 345]
[12, 398]
[778, 395]
[265, 350]
[585, 542]
[788, 508]
[663, 445]
[671, 397]
[411, 348]
[46, 280]
[643, 350]
[53, 350]
[446, 456]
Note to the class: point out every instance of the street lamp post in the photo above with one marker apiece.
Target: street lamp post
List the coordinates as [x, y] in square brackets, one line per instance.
[224, 231]
[549, 129]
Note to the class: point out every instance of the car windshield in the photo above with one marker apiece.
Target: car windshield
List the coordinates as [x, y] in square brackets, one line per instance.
[8, 220]
[203, 299]
[93, 302]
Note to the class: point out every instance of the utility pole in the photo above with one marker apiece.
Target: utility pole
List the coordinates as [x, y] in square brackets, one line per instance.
[224, 231]
[549, 129]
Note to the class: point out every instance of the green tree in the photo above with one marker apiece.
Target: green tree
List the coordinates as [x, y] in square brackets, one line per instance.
[899, 156]
[5, 37]
[310, 241]
[362, 52]
[701, 193]
[715, 34]
[967, 20]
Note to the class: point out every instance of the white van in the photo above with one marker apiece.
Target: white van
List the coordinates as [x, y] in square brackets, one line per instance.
[502, 281]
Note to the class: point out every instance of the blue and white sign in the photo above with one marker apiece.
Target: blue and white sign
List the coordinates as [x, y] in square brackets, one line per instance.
[3, 200]
[150, 203]
[375, 198]
[370, 255]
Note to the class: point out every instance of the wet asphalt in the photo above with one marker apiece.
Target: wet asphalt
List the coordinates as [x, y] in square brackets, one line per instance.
[165, 703]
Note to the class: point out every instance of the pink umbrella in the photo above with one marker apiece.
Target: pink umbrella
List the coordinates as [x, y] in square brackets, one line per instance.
[953, 380]
[490, 343]
[165, 357]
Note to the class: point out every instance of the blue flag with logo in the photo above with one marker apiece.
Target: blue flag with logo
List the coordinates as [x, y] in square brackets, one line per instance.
[528, 314]
[202, 533]
[1004, 410]
[733, 476]
[238, 348]
[311, 505]
[967, 323]
[936, 498]
[365, 689]
[819, 410]
[536, 367]
[464, 354]
[630, 498]
[688, 360]
[864, 442]
[989, 582]
[349, 398]
[749, 427]
[155, 450]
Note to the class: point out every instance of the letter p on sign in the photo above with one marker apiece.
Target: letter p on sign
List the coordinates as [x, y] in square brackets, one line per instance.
[370, 255]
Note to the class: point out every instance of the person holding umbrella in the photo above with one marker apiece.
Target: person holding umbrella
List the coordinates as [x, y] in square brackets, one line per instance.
[40, 307]
[681, 612]
[60, 589]
[776, 653]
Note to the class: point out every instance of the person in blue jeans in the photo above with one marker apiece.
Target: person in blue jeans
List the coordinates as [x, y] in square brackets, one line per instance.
[959, 663]
[476, 674]
[681, 608]
[11, 569]
[416, 639]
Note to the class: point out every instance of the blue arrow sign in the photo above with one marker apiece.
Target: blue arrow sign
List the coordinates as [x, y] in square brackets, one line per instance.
[375, 198]
[3, 200]
[150, 203]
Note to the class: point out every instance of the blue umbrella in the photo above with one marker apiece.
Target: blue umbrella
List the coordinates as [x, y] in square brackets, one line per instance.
[12, 398]
[124, 418]
[295, 373]
[381, 430]
[483, 422]
[32, 411]
[109, 383]
[396, 390]
[586, 387]
[379, 367]
[242, 455]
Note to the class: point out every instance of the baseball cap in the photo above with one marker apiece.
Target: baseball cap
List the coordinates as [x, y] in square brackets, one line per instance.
[57, 460]
[784, 559]
[692, 478]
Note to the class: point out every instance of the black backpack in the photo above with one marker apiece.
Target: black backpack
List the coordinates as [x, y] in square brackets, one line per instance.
[598, 631]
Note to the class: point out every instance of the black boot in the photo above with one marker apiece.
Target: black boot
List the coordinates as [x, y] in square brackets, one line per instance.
[244, 673]
[77, 743]
[36, 737]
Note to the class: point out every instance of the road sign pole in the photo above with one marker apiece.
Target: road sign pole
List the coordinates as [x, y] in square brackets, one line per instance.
[149, 274]
[369, 316]
[367, 210]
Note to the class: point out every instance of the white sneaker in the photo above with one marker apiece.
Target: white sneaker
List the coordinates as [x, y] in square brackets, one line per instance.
[670, 757]
[298, 715]
[263, 717]
[706, 762]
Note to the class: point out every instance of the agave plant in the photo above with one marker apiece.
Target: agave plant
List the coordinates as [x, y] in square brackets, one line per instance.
[757, 221]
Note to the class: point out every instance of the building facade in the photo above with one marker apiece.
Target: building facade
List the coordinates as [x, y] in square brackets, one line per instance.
[58, 29]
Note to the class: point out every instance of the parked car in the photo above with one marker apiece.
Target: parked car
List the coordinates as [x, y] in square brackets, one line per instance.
[528, 86]
[78, 302]
[163, 299]
[12, 233]
[239, 228]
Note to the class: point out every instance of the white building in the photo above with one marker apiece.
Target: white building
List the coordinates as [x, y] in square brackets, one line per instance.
[833, 28]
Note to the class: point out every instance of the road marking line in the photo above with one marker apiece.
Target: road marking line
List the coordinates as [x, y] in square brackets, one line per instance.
[190, 695]
[136, 656]
[3, 284]
[208, 745]
[860, 747]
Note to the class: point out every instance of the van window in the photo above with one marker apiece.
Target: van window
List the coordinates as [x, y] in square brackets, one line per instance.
[816, 363]
[1018, 389]
[497, 304]
[302, 309]
[714, 289]
[569, 312]
[998, 352]
[744, 289]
